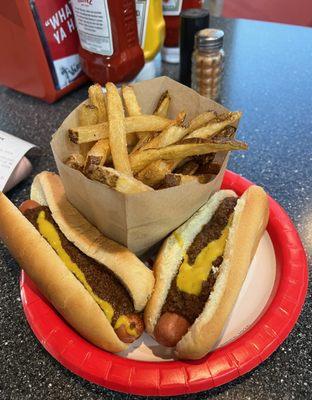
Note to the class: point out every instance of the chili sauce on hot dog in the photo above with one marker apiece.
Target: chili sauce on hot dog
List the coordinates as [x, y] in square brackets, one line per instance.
[105, 288]
[196, 276]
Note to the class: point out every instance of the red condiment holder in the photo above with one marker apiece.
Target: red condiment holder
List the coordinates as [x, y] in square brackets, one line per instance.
[39, 48]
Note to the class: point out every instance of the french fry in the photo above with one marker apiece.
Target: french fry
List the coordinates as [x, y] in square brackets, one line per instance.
[75, 161]
[216, 125]
[163, 105]
[140, 159]
[189, 168]
[161, 110]
[141, 123]
[144, 140]
[187, 178]
[172, 180]
[132, 140]
[205, 178]
[201, 120]
[84, 148]
[155, 172]
[166, 153]
[204, 158]
[147, 123]
[131, 103]
[132, 107]
[209, 168]
[168, 136]
[117, 180]
[213, 140]
[97, 155]
[87, 115]
[228, 132]
[97, 98]
[117, 130]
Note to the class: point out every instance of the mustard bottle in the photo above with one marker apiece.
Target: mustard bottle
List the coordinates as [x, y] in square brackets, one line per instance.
[151, 26]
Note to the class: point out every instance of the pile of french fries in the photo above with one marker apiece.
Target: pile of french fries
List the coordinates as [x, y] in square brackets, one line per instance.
[134, 152]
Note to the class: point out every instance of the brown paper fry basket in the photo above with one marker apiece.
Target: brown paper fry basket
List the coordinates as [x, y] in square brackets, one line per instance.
[140, 220]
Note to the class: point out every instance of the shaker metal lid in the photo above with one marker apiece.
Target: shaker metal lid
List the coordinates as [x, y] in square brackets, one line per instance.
[194, 13]
[209, 39]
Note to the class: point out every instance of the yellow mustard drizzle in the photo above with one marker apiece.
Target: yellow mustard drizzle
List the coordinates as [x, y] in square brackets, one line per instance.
[49, 232]
[123, 320]
[179, 239]
[190, 277]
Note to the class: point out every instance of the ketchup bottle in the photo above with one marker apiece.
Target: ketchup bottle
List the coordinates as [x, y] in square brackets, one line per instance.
[109, 46]
[171, 11]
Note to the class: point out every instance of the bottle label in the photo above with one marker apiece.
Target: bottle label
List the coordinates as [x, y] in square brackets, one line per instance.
[94, 27]
[57, 30]
[142, 7]
[172, 7]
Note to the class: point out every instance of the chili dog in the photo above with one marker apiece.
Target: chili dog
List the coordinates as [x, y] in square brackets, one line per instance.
[200, 270]
[97, 285]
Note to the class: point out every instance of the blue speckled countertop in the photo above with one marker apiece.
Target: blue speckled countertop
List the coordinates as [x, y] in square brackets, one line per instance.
[268, 76]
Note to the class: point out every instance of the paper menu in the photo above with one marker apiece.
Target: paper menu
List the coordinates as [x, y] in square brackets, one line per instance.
[14, 167]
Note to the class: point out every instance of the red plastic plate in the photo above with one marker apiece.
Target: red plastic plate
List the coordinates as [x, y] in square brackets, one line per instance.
[181, 377]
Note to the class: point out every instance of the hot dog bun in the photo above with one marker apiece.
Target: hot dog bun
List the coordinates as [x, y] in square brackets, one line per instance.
[54, 280]
[249, 222]
[47, 189]
[50, 274]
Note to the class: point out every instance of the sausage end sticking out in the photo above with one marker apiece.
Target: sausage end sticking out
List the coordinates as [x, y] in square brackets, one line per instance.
[170, 329]
[27, 205]
[136, 323]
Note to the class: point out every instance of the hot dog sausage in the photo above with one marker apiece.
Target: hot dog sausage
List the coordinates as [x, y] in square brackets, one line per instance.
[136, 323]
[27, 205]
[170, 328]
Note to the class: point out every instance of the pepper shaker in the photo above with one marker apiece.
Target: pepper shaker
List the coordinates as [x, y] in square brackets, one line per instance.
[207, 62]
[192, 21]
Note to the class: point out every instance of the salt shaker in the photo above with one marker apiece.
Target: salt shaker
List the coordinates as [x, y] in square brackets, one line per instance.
[207, 62]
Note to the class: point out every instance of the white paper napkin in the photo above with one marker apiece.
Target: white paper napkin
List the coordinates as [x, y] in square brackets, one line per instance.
[14, 166]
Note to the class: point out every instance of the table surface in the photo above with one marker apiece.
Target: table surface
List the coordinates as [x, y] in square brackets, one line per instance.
[268, 75]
